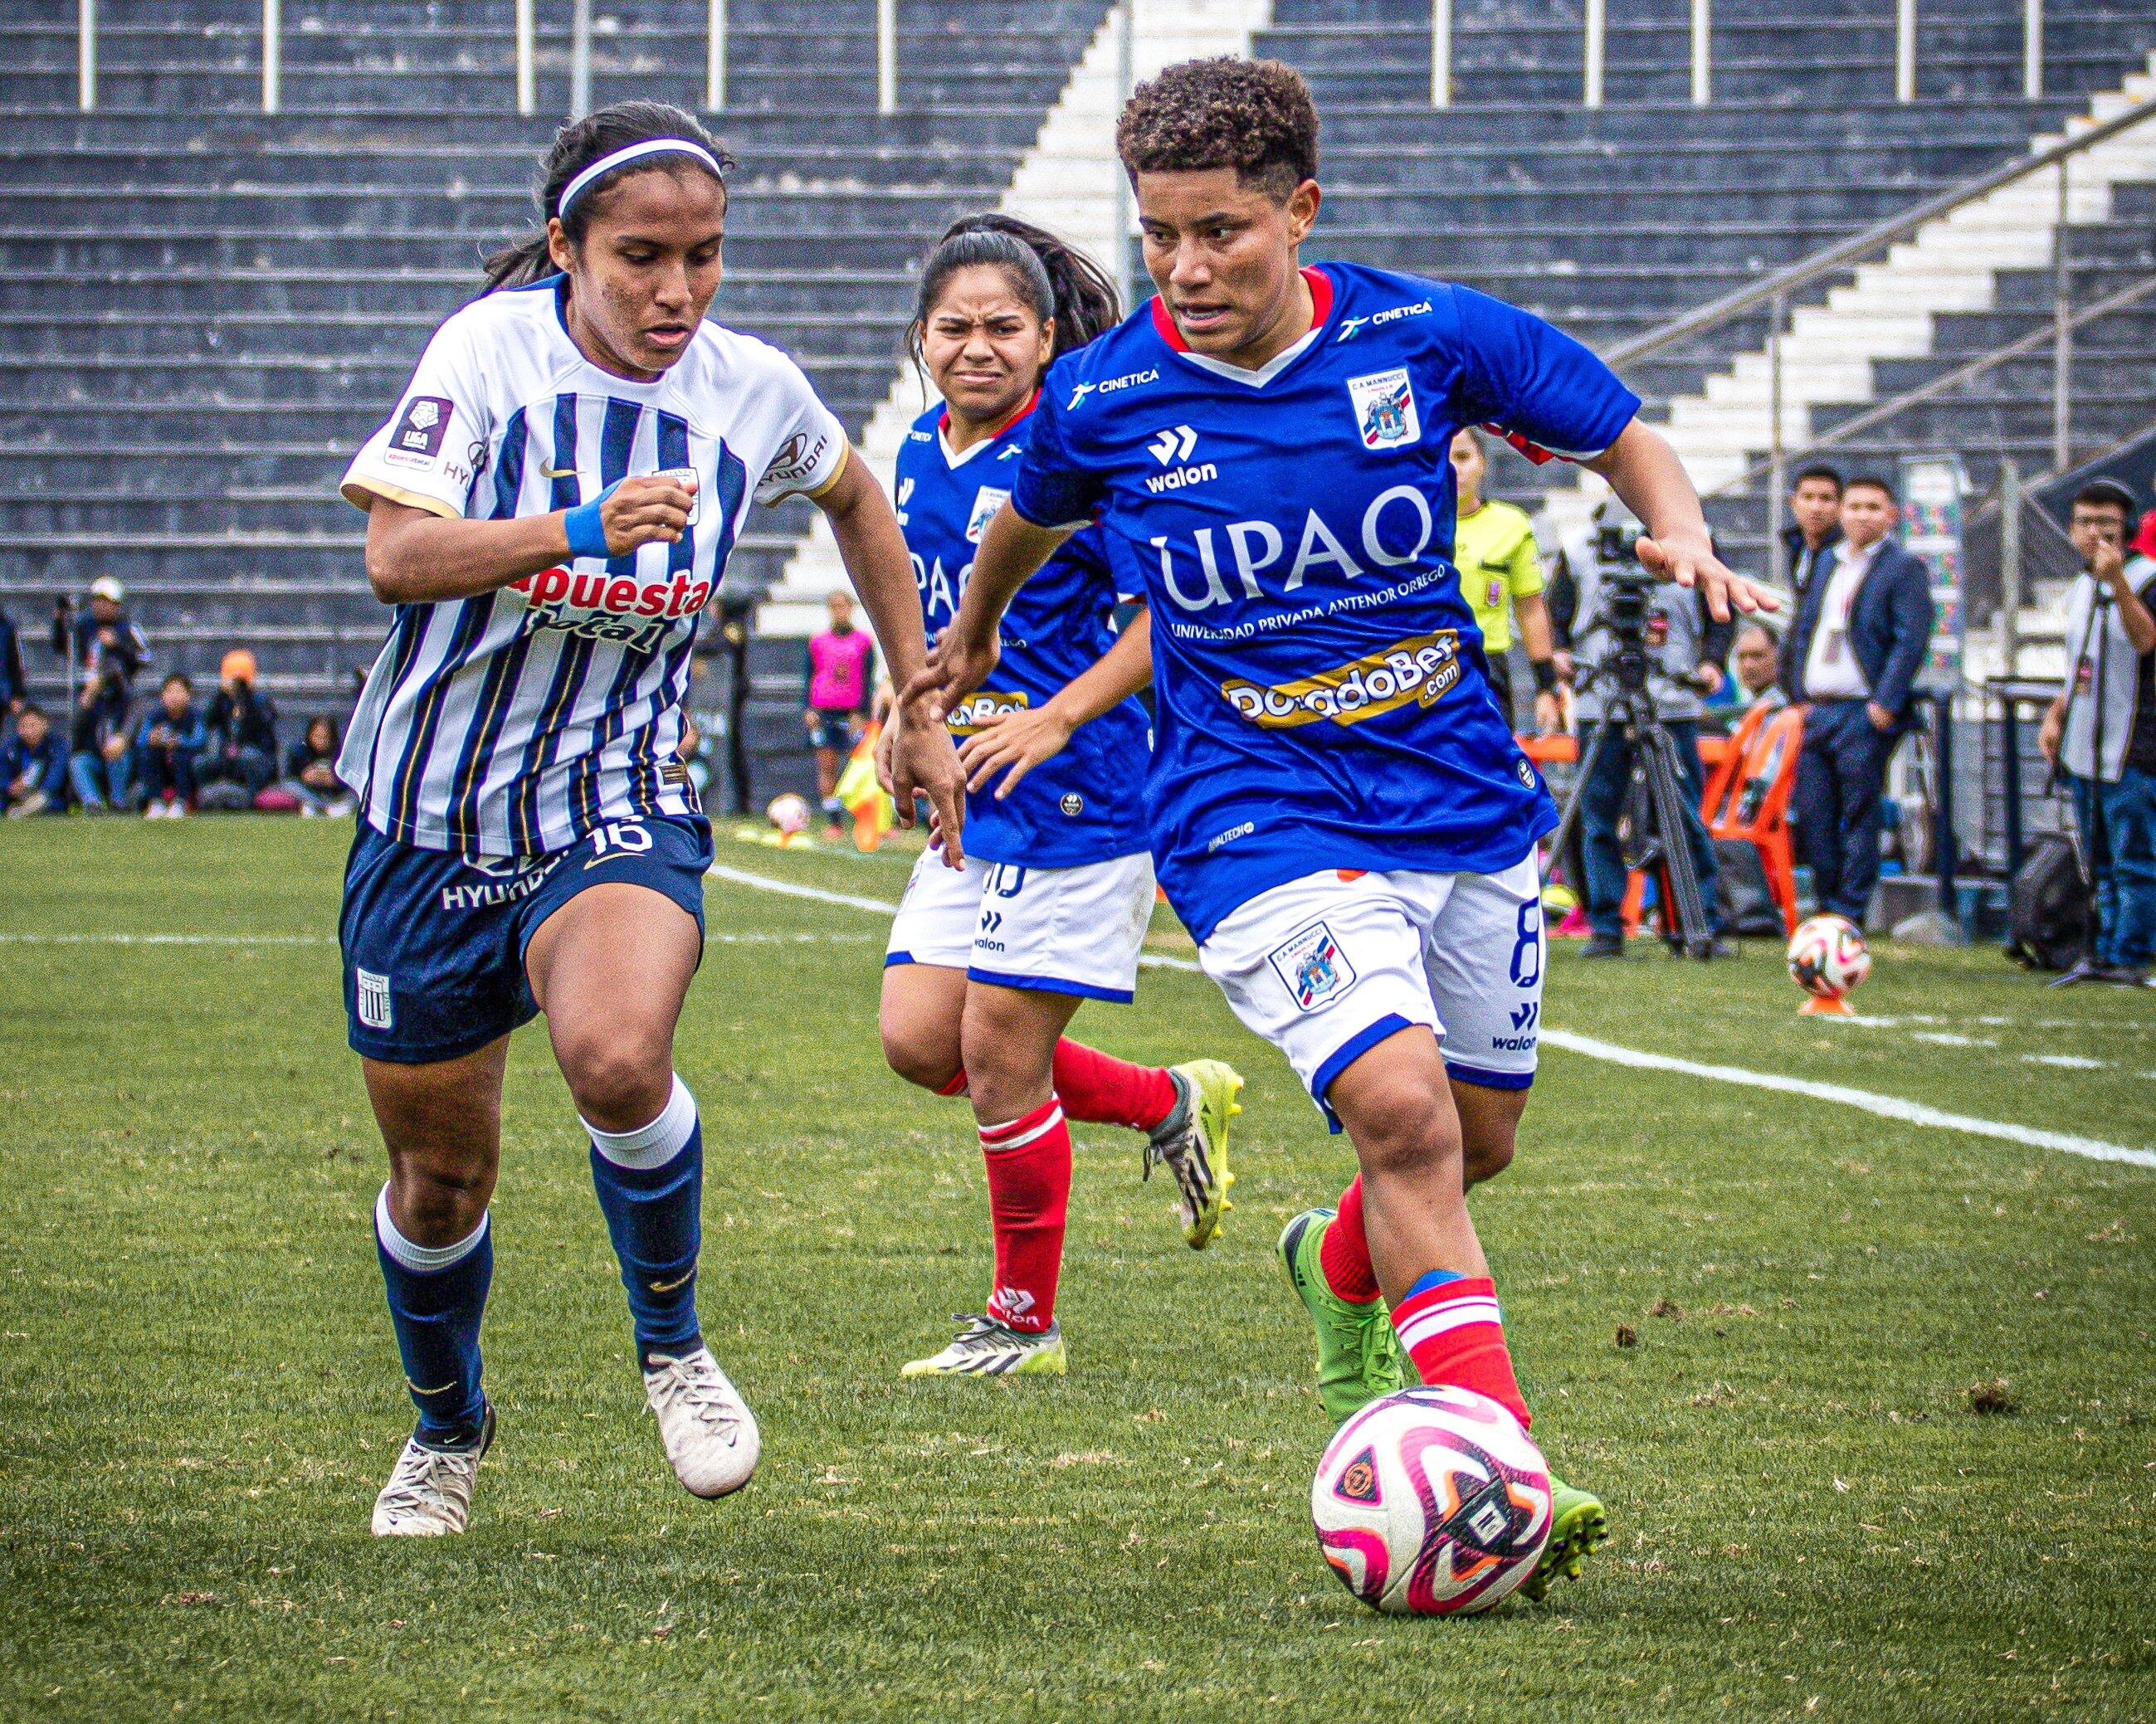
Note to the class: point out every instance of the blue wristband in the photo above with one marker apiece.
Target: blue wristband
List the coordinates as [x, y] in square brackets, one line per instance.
[587, 536]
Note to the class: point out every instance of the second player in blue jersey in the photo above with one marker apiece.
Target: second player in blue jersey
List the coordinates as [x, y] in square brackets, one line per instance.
[987, 965]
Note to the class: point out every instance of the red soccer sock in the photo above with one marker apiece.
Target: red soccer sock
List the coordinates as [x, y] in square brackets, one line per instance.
[1103, 1090]
[1029, 1163]
[1455, 1336]
[1343, 1255]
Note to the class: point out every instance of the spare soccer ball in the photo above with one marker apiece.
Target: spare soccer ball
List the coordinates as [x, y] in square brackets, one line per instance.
[789, 813]
[1827, 957]
[1432, 1502]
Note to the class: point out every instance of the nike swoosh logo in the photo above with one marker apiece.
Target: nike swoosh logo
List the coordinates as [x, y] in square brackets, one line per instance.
[547, 472]
[417, 1390]
[670, 1286]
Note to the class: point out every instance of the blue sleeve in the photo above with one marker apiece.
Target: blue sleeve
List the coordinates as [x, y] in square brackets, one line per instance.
[1052, 488]
[1534, 382]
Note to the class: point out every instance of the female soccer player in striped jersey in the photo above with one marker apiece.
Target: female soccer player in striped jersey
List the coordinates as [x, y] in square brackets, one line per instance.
[548, 509]
[987, 965]
[1337, 808]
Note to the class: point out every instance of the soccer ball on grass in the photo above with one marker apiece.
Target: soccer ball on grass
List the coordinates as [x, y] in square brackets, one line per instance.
[788, 813]
[1432, 1502]
[1827, 957]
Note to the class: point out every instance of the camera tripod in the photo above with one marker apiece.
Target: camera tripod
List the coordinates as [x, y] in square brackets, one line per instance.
[1652, 824]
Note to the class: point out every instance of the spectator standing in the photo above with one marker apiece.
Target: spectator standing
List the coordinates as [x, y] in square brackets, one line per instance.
[310, 771]
[2101, 729]
[168, 744]
[14, 686]
[1814, 527]
[1686, 648]
[841, 684]
[33, 765]
[110, 652]
[1501, 576]
[1863, 630]
[242, 728]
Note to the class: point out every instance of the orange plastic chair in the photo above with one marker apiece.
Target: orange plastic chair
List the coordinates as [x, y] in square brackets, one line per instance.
[1749, 797]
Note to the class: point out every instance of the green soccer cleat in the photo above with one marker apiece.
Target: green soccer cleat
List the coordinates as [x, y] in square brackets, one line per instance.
[1359, 1354]
[1578, 1524]
[1193, 1142]
[983, 1347]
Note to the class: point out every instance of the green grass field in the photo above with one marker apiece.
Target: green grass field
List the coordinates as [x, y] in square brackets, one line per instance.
[199, 1395]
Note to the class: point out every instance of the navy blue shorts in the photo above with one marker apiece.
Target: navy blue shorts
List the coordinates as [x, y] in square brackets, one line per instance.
[834, 729]
[433, 942]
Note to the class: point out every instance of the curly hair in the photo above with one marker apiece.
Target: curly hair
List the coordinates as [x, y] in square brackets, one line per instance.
[1255, 116]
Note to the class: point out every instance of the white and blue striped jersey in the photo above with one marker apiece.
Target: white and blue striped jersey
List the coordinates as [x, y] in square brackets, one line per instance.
[513, 723]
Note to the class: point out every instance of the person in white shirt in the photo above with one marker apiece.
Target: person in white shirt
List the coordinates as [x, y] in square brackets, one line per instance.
[1863, 630]
[2101, 731]
[550, 507]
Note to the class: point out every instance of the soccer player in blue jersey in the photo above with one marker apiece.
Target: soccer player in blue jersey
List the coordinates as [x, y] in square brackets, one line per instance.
[1337, 809]
[548, 509]
[989, 963]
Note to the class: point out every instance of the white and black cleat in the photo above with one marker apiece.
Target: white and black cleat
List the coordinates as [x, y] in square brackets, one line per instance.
[711, 1436]
[429, 1491]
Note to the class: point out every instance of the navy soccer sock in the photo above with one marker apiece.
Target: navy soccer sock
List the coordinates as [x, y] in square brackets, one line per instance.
[437, 1296]
[650, 1184]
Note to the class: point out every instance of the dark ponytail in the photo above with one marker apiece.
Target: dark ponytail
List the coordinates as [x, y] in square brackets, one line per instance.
[1054, 277]
[576, 146]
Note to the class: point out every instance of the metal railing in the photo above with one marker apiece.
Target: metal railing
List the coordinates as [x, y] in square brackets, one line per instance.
[526, 30]
[1595, 46]
[1773, 293]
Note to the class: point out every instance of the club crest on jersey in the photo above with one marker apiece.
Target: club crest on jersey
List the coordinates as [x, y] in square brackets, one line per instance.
[986, 501]
[1421, 670]
[1385, 409]
[1311, 967]
[971, 714]
[421, 427]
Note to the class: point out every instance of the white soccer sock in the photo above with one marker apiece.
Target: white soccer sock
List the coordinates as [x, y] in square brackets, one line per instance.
[655, 1144]
[422, 1260]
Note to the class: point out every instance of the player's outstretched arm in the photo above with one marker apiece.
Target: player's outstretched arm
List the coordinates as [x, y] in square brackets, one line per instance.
[1016, 740]
[416, 558]
[1645, 471]
[874, 550]
[1012, 549]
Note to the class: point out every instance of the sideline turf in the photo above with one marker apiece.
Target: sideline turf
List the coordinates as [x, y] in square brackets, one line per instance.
[198, 1395]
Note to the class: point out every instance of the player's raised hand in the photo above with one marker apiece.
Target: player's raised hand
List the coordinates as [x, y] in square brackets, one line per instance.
[651, 510]
[1689, 560]
[1013, 741]
[954, 669]
[923, 761]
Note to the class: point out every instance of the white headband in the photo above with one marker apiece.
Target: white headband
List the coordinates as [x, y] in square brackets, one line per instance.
[627, 154]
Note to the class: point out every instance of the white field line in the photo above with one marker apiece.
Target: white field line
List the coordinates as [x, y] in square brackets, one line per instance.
[1891, 1107]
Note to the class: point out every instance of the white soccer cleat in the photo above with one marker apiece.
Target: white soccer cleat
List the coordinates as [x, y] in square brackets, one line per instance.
[430, 1492]
[985, 1348]
[711, 1436]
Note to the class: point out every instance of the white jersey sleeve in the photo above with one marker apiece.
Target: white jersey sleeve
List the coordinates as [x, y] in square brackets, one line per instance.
[812, 448]
[428, 454]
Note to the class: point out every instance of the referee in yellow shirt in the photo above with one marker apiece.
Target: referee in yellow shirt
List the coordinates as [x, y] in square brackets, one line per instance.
[1501, 576]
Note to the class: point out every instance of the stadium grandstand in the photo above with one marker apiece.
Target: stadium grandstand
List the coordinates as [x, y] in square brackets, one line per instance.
[226, 228]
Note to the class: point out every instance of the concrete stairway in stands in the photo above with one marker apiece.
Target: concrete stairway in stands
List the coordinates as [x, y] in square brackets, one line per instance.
[206, 308]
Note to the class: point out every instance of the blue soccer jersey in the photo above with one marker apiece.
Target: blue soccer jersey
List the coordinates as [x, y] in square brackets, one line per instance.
[1085, 805]
[1321, 696]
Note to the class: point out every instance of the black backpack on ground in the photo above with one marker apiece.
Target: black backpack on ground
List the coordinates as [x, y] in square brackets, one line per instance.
[1746, 904]
[2048, 907]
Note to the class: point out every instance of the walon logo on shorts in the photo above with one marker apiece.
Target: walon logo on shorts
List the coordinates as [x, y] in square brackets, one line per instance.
[1423, 670]
[373, 993]
[971, 714]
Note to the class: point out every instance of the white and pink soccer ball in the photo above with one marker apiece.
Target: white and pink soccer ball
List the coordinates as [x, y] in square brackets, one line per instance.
[1432, 1502]
[1827, 957]
[788, 813]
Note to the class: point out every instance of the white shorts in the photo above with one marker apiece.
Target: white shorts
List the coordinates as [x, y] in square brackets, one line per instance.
[1326, 966]
[1058, 930]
